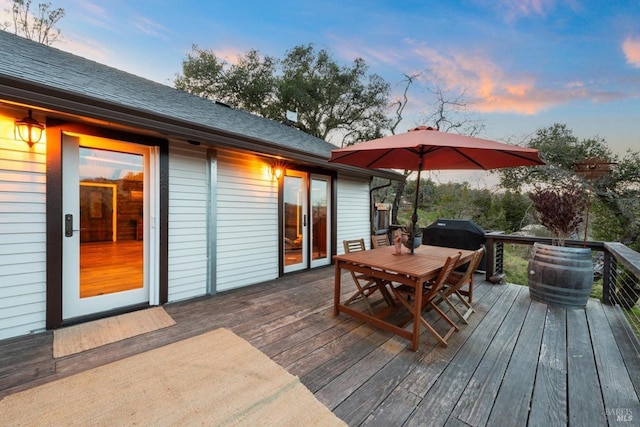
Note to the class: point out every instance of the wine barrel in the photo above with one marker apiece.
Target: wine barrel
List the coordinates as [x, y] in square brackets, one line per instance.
[560, 276]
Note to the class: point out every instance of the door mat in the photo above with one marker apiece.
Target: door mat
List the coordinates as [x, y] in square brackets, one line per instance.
[216, 378]
[86, 336]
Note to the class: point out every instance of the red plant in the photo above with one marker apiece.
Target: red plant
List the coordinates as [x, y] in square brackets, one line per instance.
[559, 208]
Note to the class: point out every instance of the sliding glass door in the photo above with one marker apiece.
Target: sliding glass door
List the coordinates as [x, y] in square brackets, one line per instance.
[306, 219]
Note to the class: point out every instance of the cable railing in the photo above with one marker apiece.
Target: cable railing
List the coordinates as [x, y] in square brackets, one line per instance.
[620, 270]
[622, 277]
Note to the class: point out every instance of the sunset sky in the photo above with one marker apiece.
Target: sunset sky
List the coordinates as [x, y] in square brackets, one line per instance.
[525, 64]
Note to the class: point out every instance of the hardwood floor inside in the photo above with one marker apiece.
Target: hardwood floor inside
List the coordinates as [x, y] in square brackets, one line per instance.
[517, 363]
[108, 267]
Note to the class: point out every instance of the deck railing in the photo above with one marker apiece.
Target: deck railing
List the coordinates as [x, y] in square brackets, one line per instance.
[620, 269]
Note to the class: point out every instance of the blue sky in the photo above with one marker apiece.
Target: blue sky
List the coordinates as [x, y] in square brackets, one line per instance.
[525, 64]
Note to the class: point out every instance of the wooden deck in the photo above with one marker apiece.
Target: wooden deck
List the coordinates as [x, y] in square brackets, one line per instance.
[517, 363]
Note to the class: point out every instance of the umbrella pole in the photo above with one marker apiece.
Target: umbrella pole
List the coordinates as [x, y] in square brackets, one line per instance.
[414, 217]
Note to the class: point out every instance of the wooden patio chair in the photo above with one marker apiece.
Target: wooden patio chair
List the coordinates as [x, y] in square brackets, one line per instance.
[367, 285]
[457, 281]
[380, 240]
[431, 291]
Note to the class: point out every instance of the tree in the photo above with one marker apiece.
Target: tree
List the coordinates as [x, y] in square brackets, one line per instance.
[246, 85]
[617, 192]
[340, 104]
[38, 25]
[398, 107]
[448, 113]
[333, 102]
[516, 210]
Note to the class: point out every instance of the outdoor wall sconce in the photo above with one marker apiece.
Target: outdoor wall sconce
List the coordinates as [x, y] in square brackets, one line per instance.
[29, 130]
[276, 172]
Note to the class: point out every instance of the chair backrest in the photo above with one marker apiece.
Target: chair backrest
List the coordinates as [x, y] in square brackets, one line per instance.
[353, 245]
[379, 240]
[445, 272]
[473, 265]
[475, 261]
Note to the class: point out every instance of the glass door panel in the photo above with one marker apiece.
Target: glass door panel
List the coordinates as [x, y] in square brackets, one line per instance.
[320, 226]
[111, 221]
[295, 221]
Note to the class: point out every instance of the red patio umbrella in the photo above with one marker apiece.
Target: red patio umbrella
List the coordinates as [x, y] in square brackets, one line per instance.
[425, 148]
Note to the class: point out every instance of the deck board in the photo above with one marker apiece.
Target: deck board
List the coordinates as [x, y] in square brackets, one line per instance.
[517, 362]
[512, 403]
[476, 402]
[375, 391]
[582, 374]
[549, 403]
[618, 392]
[440, 399]
[627, 342]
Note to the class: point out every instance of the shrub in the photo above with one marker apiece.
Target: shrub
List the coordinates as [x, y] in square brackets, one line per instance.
[559, 208]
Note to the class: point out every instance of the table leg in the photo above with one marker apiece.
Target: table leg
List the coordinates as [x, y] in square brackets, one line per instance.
[336, 288]
[417, 312]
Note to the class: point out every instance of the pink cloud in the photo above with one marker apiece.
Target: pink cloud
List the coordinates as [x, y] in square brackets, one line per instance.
[489, 88]
[631, 49]
[231, 54]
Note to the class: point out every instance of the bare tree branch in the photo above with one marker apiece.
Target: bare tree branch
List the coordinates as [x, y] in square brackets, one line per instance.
[37, 25]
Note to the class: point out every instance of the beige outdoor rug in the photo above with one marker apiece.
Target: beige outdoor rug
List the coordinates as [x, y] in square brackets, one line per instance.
[213, 379]
[86, 336]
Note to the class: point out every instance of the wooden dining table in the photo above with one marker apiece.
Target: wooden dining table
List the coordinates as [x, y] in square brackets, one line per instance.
[407, 269]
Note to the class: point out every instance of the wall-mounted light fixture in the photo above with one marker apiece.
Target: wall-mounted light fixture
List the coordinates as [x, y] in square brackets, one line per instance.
[29, 130]
[277, 172]
[276, 168]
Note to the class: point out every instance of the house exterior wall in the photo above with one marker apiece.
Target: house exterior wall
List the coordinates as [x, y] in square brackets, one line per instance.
[188, 221]
[22, 233]
[353, 211]
[246, 221]
[222, 233]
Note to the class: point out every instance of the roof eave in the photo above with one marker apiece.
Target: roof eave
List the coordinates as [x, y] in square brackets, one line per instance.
[27, 92]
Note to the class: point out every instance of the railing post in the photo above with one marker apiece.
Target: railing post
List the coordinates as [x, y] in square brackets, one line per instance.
[494, 255]
[490, 257]
[607, 277]
[499, 259]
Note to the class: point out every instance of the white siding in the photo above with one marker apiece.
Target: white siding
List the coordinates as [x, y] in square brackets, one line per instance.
[22, 234]
[188, 211]
[353, 211]
[247, 222]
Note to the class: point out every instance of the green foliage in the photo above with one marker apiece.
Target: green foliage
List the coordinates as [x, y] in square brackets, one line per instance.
[203, 73]
[515, 264]
[597, 290]
[604, 225]
[618, 191]
[460, 201]
[517, 210]
[332, 101]
[559, 149]
[633, 316]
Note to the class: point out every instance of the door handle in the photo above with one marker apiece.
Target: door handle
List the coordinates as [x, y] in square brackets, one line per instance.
[304, 220]
[68, 225]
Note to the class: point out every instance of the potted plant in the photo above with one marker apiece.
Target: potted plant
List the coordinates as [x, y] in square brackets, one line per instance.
[559, 208]
[408, 233]
[560, 275]
[403, 237]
